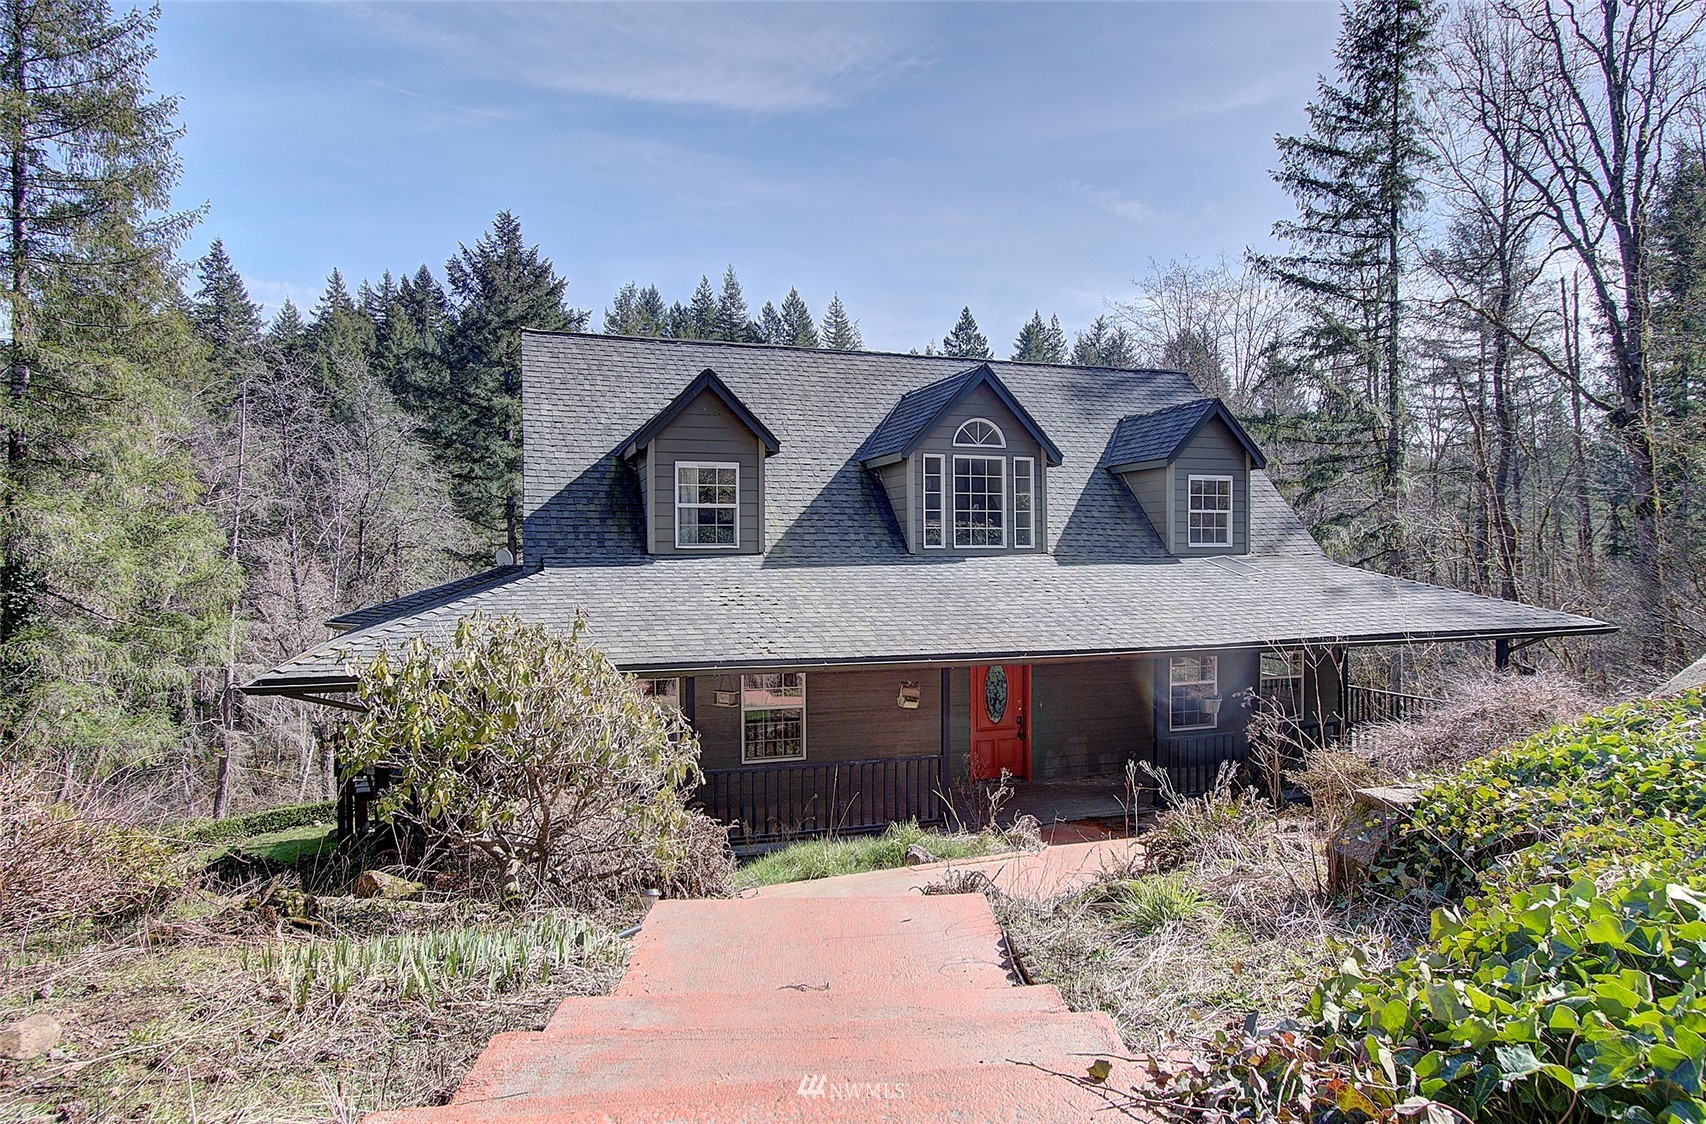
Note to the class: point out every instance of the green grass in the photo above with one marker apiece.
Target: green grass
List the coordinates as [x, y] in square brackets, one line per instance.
[1144, 905]
[827, 858]
[282, 848]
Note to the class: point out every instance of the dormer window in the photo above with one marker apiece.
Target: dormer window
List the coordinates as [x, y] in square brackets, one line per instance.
[707, 505]
[979, 434]
[1210, 511]
[964, 467]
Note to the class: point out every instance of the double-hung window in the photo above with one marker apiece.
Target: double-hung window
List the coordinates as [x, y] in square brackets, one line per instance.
[934, 534]
[980, 501]
[1024, 502]
[665, 689]
[773, 717]
[1210, 510]
[1193, 692]
[707, 505]
[1281, 683]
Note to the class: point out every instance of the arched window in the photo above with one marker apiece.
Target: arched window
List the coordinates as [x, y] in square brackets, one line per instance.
[979, 434]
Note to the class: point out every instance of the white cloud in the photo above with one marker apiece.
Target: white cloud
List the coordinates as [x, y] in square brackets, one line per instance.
[765, 58]
[1112, 202]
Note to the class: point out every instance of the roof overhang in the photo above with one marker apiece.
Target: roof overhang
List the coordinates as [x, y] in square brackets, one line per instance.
[980, 376]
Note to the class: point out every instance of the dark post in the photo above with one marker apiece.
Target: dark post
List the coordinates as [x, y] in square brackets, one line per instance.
[1501, 655]
[947, 740]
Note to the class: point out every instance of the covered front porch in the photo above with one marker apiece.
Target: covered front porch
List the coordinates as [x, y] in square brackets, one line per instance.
[1068, 741]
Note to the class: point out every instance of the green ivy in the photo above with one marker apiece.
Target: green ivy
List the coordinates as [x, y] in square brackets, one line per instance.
[1554, 1003]
[1627, 765]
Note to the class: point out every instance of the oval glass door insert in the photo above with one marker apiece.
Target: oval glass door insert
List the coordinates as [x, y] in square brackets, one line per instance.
[995, 694]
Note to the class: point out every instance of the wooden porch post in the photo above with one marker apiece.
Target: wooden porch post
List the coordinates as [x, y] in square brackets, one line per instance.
[1501, 654]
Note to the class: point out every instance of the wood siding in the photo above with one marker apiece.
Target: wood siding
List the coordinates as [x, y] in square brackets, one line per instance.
[981, 403]
[1089, 719]
[1150, 488]
[850, 716]
[893, 478]
[706, 430]
[1212, 452]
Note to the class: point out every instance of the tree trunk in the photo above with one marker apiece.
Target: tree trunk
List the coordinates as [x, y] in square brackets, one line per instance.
[13, 609]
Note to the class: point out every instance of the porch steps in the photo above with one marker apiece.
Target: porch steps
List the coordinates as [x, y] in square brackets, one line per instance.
[801, 1009]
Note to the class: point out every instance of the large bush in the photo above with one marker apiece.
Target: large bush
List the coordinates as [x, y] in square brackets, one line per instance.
[532, 749]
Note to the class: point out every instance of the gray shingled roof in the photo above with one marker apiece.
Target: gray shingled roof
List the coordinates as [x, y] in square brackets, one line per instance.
[915, 416]
[1156, 437]
[836, 583]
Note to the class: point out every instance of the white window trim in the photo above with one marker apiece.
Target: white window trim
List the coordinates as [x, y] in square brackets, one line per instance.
[1000, 437]
[944, 496]
[1230, 512]
[1031, 520]
[1214, 719]
[675, 508]
[953, 506]
[744, 710]
[676, 679]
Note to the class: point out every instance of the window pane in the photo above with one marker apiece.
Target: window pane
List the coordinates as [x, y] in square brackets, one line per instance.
[979, 514]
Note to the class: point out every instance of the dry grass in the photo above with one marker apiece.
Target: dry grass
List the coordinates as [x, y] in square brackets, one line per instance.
[59, 863]
[215, 1018]
[1480, 716]
[1234, 919]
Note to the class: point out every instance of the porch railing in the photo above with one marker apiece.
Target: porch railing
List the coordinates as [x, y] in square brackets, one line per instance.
[1364, 705]
[766, 802]
[1193, 762]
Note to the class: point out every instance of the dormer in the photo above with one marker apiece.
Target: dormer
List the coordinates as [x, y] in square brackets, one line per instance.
[964, 467]
[1189, 467]
[700, 461]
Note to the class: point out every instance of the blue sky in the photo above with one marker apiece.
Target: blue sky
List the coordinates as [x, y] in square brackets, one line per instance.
[914, 157]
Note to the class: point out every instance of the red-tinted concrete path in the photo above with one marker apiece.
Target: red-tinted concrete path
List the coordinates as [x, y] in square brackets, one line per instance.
[896, 1008]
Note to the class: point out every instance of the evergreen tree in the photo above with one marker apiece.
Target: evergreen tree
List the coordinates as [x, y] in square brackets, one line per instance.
[221, 311]
[734, 324]
[1355, 177]
[700, 319]
[112, 583]
[965, 340]
[839, 332]
[770, 324]
[342, 338]
[797, 327]
[677, 324]
[1039, 342]
[498, 287]
[636, 312]
[1104, 344]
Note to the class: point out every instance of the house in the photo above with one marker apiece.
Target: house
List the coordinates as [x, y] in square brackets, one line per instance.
[870, 580]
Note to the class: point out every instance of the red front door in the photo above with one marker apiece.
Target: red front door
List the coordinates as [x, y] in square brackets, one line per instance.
[1000, 721]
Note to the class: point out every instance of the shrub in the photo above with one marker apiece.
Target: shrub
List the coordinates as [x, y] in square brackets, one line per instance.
[264, 822]
[1479, 717]
[828, 858]
[59, 864]
[532, 749]
[1220, 821]
[1625, 765]
[1532, 1008]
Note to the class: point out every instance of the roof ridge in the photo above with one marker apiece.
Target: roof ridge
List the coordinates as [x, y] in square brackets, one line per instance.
[828, 351]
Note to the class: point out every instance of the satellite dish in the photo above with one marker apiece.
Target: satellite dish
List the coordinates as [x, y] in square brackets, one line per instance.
[505, 558]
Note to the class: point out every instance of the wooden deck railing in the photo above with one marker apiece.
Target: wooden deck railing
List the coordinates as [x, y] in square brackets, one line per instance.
[765, 802]
[1364, 705]
[1193, 761]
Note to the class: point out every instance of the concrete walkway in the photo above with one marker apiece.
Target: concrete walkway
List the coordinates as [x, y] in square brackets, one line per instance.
[1035, 876]
[843, 999]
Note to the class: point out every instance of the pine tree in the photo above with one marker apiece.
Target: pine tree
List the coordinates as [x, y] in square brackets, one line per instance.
[965, 340]
[734, 324]
[839, 332]
[498, 287]
[221, 311]
[1104, 344]
[699, 320]
[770, 324]
[636, 312]
[112, 583]
[342, 337]
[1355, 177]
[797, 327]
[1039, 342]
